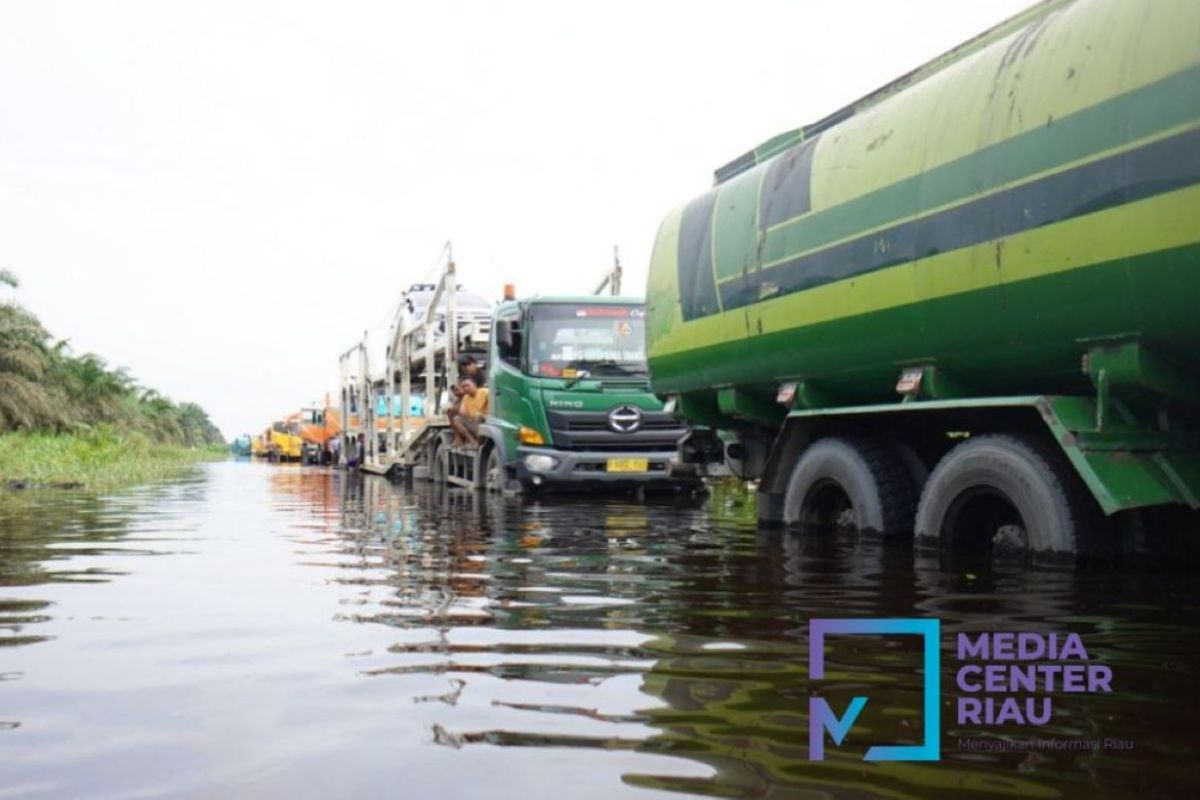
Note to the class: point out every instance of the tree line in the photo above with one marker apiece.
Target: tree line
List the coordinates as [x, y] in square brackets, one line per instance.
[45, 386]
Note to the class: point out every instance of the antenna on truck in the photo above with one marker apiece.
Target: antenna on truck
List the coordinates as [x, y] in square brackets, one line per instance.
[612, 281]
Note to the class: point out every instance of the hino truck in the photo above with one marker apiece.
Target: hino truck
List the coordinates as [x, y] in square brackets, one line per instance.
[964, 306]
[570, 405]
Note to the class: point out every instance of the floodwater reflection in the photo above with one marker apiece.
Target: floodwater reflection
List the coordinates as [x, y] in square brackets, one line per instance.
[280, 630]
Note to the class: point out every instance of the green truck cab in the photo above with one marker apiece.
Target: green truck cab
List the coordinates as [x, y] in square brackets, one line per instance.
[570, 405]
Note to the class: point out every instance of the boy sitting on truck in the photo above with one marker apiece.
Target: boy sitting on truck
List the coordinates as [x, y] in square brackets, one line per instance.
[468, 413]
[469, 367]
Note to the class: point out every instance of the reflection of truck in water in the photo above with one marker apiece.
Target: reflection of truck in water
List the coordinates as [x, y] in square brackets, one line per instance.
[569, 404]
[964, 305]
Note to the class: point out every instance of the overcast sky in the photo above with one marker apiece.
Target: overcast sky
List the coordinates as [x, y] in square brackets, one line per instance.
[222, 196]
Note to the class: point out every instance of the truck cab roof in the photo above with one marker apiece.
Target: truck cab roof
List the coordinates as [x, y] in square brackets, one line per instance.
[591, 300]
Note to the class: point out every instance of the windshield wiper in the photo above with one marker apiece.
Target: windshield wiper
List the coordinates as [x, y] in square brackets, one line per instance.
[581, 368]
[626, 368]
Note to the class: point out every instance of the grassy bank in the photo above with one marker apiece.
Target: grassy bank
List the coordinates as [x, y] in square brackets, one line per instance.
[97, 460]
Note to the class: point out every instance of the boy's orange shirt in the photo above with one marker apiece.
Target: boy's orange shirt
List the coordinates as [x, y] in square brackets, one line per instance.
[476, 406]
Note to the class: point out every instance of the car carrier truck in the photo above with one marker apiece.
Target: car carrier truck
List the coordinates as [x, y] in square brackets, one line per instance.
[966, 305]
[569, 395]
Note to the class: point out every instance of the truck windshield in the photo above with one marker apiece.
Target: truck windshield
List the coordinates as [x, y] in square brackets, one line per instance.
[600, 340]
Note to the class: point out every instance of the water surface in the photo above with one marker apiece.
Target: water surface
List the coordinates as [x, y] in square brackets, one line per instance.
[259, 631]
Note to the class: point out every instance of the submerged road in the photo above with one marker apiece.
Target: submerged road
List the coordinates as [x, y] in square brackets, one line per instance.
[258, 631]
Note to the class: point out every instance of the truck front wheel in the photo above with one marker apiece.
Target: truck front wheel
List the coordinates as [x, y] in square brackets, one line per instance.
[850, 484]
[1005, 497]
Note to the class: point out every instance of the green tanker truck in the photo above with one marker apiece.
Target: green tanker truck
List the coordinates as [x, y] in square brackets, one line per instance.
[965, 306]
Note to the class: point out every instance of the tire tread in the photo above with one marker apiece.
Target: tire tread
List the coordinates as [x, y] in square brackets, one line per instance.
[896, 492]
[1078, 507]
[892, 481]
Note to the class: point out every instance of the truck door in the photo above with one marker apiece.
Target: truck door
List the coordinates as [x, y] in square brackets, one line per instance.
[505, 366]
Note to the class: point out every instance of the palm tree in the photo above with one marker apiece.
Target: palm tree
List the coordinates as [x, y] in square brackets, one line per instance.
[97, 393]
[44, 386]
[198, 429]
[24, 402]
[159, 415]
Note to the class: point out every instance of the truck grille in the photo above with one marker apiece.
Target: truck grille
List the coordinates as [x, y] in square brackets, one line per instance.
[589, 430]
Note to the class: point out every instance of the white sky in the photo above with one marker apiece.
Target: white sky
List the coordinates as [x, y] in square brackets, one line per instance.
[221, 196]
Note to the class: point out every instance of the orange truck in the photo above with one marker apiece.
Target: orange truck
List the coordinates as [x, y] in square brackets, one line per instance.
[318, 427]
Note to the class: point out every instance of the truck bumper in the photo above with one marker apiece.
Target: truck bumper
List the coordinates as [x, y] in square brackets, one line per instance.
[584, 469]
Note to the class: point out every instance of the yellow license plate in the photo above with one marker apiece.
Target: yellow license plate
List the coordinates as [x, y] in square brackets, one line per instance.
[628, 465]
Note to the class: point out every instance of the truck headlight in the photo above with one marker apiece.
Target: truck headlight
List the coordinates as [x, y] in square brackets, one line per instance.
[538, 462]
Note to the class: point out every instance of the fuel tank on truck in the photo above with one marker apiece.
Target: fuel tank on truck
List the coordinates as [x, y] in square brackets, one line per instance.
[1033, 191]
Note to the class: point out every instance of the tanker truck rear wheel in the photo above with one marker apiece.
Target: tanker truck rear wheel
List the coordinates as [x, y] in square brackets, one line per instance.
[1005, 498]
[850, 485]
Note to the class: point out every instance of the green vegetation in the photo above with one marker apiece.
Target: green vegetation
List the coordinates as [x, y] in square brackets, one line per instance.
[733, 501]
[99, 459]
[67, 418]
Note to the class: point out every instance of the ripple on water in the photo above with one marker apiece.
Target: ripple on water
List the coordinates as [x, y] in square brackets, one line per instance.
[287, 630]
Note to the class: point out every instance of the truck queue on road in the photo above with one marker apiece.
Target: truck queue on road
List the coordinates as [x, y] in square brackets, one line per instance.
[958, 311]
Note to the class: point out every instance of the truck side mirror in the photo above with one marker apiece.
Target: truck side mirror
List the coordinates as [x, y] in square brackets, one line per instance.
[508, 340]
[504, 335]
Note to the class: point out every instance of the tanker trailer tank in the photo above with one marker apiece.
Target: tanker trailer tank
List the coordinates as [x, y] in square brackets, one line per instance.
[965, 305]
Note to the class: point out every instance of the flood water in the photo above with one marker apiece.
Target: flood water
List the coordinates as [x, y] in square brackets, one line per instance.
[259, 631]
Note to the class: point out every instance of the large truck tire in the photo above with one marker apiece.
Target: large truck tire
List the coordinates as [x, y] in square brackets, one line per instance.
[847, 483]
[491, 479]
[1011, 497]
